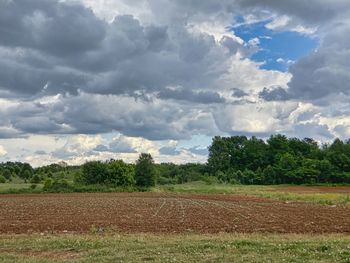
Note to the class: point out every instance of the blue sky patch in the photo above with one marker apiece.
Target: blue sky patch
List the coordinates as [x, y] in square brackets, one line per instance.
[277, 48]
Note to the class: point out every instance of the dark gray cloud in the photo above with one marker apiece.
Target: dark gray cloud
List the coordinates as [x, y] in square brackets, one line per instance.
[325, 71]
[199, 151]
[63, 154]
[313, 12]
[159, 78]
[169, 151]
[10, 132]
[238, 93]
[121, 146]
[274, 94]
[189, 95]
[51, 47]
[101, 148]
[57, 28]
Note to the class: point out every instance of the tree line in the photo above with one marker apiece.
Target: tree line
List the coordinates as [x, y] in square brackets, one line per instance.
[278, 160]
[235, 159]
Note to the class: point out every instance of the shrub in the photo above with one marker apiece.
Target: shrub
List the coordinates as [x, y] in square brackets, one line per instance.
[165, 180]
[47, 184]
[94, 172]
[7, 174]
[210, 180]
[57, 186]
[2, 179]
[120, 173]
[35, 179]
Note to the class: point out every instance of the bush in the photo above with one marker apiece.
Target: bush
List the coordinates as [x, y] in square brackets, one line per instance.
[7, 174]
[57, 186]
[35, 179]
[2, 179]
[94, 172]
[210, 180]
[120, 173]
[165, 180]
[78, 178]
[47, 184]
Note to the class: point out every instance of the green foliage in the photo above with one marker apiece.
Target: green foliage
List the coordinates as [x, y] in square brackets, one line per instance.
[26, 172]
[232, 160]
[182, 173]
[57, 186]
[35, 179]
[279, 160]
[94, 172]
[165, 180]
[210, 180]
[7, 174]
[2, 179]
[120, 173]
[114, 172]
[47, 184]
[145, 171]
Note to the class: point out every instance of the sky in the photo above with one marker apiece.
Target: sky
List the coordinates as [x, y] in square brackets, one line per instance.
[88, 80]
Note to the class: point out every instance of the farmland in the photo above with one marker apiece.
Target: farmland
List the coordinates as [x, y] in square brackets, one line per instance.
[186, 223]
[166, 213]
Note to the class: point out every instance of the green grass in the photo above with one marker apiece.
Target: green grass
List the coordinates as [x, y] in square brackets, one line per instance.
[9, 188]
[175, 248]
[257, 190]
[201, 187]
[6, 186]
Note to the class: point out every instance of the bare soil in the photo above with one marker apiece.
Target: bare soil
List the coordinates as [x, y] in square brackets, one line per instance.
[165, 213]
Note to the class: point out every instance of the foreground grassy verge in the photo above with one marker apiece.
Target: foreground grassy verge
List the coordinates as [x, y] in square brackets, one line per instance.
[175, 248]
[257, 190]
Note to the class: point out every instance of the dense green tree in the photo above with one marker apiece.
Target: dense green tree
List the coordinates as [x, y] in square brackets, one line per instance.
[94, 172]
[35, 179]
[270, 175]
[120, 173]
[279, 160]
[219, 155]
[2, 179]
[326, 171]
[277, 145]
[145, 171]
[254, 154]
[7, 174]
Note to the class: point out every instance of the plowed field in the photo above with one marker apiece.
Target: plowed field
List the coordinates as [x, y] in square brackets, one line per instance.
[166, 213]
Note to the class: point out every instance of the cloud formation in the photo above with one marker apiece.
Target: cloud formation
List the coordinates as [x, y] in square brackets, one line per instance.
[152, 71]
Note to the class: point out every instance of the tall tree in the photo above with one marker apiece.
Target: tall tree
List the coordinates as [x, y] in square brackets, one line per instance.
[145, 171]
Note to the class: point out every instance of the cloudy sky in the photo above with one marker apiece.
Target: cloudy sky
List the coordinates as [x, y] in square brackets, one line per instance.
[100, 79]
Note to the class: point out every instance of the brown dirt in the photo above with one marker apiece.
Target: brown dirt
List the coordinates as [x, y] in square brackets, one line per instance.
[165, 213]
[315, 189]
